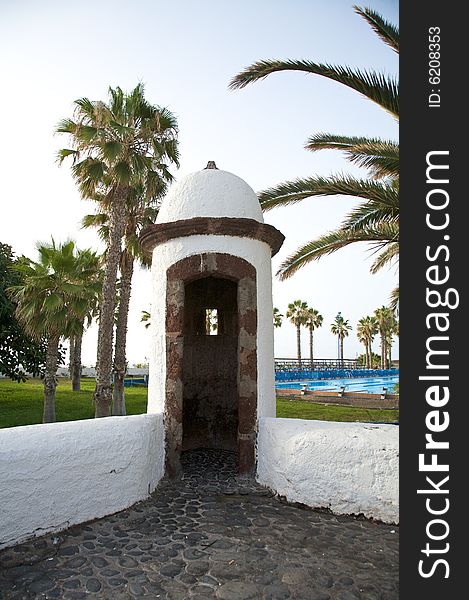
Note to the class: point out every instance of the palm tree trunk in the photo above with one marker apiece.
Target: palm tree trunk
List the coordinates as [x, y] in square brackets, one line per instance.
[389, 353]
[50, 379]
[383, 350]
[341, 352]
[71, 361]
[120, 363]
[103, 390]
[76, 368]
[311, 347]
[298, 344]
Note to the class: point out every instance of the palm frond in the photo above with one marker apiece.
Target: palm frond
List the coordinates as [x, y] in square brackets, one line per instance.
[95, 220]
[388, 255]
[380, 156]
[372, 213]
[66, 126]
[98, 221]
[299, 189]
[64, 152]
[327, 244]
[379, 88]
[85, 107]
[394, 299]
[388, 32]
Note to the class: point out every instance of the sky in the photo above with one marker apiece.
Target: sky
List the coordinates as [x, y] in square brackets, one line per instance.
[55, 51]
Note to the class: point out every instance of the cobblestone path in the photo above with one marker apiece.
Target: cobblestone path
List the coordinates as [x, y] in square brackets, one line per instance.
[210, 534]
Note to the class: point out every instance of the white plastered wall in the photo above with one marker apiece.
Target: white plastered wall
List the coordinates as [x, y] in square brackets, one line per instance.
[60, 474]
[257, 254]
[210, 193]
[350, 468]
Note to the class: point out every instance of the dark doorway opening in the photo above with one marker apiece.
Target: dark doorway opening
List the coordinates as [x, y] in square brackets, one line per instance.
[210, 364]
[211, 380]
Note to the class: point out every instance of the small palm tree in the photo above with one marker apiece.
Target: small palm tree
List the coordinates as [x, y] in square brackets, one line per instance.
[296, 313]
[52, 303]
[340, 327]
[367, 328]
[278, 318]
[313, 321]
[116, 146]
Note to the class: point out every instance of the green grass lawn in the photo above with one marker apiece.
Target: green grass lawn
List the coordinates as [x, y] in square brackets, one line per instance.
[295, 409]
[21, 404]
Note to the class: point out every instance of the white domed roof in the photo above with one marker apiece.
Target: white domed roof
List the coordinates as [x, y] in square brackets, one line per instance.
[210, 193]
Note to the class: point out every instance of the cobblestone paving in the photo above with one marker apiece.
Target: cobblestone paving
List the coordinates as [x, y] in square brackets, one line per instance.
[211, 534]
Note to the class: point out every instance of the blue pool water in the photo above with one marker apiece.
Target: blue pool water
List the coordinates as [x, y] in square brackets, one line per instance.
[371, 385]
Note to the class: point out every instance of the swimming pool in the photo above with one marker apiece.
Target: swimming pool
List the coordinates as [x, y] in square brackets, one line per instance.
[371, 385]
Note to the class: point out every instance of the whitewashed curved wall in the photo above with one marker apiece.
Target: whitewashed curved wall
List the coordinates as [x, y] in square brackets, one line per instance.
[257, 254]
[350, 468]
[60, 474]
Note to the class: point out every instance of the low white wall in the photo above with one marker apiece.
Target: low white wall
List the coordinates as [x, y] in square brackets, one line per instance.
[59, 474]
[350, 468]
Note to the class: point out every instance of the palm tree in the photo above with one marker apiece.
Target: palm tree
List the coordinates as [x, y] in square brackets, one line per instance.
[296, 313]
[52, 304]
[313, 321]
[115, 147]
[89, 264]
[387, 326]
[278, 318]
[367, 328]
[340, 327]
[376, 220]
[139, 213]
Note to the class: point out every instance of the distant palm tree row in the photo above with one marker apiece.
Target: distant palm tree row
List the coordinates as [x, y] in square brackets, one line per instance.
[383, 322]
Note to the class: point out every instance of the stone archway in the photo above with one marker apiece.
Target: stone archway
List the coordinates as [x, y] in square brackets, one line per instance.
[179, 275]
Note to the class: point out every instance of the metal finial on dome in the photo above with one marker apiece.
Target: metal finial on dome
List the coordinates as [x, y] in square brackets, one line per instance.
[211, 165]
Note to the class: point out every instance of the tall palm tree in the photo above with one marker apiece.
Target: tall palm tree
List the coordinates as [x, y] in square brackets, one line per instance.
[313, 321]
[376, 220]
[367, 328]
[340, 327]
[116, 146]
[296, 313]
[387, 325]
[277, 317]
[52, 303]
[139, 213]
[89, 264]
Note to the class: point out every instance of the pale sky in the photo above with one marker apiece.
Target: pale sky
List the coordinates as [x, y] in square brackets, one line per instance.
[185, 52]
